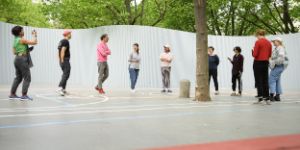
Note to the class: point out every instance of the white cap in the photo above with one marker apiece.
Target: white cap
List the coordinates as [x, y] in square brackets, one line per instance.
[167, 46]
[277, 39]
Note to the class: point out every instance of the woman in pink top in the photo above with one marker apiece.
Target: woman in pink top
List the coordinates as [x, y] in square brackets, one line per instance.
[102, 53]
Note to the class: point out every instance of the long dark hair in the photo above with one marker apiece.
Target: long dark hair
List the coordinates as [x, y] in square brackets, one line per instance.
[138, 48]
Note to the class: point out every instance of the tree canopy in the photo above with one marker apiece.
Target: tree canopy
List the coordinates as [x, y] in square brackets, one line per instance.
[224, 17]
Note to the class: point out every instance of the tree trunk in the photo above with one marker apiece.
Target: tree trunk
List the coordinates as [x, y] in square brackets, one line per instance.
[202, 87]
[216, 23]
[287, 18]
[128, 10]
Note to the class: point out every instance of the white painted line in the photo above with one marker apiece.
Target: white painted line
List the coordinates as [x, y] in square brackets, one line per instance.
[104, 99]
[124, 110]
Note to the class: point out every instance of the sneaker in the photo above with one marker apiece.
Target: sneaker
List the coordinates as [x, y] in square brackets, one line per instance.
[268, 102]
[96, 88]
[65, 92]
[26, 97]
[169, 91]
[272, 98]
[260, 99]
[132, 91]
[163, 91]
[13, 97]
[277, 98]
[217, 93]
[61, 92]
[233, 94]
[101, 91]
[239, 94]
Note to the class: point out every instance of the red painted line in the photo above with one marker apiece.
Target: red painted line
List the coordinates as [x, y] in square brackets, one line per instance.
[287, 142]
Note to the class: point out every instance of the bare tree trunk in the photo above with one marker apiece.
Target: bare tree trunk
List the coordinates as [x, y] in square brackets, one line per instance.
[202, 87]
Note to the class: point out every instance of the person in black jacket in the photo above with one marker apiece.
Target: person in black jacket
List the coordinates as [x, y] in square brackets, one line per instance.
[237, 70]
[213, 67]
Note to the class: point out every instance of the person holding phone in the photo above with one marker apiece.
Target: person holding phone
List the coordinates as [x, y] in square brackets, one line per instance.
[64, 61]
[21, 63]
[237, 70]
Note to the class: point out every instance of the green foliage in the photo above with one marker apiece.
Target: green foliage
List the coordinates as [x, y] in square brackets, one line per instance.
[224, 17]
[22, 12]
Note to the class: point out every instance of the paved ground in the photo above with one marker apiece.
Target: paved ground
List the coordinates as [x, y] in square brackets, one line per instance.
[119, 120]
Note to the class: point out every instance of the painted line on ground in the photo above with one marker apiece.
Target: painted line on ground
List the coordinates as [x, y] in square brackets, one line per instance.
[121, 110]
[45, 109]
[125, 118]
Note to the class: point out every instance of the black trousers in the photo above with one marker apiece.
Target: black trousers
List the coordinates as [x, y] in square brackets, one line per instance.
[66, 68]
[261, 74]
[238, 78]
[22, 73]
[214, 74]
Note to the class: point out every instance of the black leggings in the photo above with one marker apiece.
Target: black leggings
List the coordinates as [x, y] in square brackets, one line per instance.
[261, 73]
[214, 74]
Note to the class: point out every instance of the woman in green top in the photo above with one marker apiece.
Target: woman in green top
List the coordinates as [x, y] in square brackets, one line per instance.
[21, 63]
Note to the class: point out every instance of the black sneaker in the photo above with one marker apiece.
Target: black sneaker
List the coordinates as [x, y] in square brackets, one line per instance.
[169, 91]
[272, 98]
[163, 91]
[277, 98]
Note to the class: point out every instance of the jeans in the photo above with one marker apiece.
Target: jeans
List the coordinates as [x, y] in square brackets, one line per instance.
[275, 79]
[66, 69]
[103, 71]
[22, 73]
[214, 74]
[237, 77]
[134, 73]
[166, 72]
[261, 73]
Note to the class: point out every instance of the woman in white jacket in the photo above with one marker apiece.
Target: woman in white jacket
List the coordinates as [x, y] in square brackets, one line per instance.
[278, 62]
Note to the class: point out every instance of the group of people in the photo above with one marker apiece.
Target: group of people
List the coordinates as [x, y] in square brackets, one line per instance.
[23, 63]
[268, 85]
[237, 69]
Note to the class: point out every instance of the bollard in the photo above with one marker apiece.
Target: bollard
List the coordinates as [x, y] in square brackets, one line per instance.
[184, 89]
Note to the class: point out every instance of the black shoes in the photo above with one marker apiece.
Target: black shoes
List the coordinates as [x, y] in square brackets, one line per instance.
[277, 98]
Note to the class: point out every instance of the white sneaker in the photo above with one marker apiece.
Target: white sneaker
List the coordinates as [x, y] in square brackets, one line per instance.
[132, 91]
[61, 92]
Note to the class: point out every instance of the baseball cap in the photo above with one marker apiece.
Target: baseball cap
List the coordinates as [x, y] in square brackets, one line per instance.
[167, 46]
[66, 32]
[277, 39]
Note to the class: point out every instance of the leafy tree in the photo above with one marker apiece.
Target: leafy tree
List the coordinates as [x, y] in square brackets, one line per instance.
[22, 12]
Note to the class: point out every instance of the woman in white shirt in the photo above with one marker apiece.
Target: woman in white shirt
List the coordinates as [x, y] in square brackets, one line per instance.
[134, 65]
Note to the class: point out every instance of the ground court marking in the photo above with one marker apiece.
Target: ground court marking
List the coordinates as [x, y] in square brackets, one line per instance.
[7, 110]
[123, 118]
[75, 107]
[68, 105]
[124, 110]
